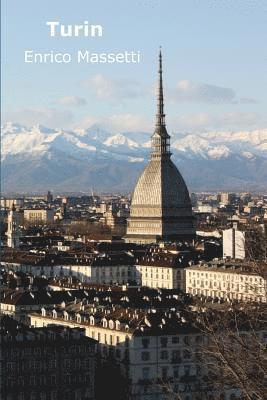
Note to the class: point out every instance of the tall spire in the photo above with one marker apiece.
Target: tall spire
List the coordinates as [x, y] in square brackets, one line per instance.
[160, 138]
[160, 106]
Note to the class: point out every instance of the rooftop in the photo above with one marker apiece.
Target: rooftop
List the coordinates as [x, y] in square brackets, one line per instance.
[227, 266]
[13, 331]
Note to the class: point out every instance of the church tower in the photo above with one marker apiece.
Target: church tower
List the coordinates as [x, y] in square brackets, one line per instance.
[13, 228]
[161, 208]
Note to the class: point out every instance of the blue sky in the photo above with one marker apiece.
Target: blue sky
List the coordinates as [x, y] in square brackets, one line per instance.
[214, 61]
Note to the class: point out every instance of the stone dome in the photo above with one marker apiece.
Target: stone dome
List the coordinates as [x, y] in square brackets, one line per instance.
[161, 185]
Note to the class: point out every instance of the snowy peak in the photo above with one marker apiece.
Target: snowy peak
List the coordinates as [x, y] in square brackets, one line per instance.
[18, 139]
[198, 146]
[94, 133]
[41, 158]
[222, 144]
[120, 140]
[10, 127]
[218, 152]
[39, 140]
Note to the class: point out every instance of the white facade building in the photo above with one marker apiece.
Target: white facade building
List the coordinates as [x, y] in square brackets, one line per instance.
[234, 244]
[104, 274]
[227, 280]
[39, 215]
[14, 221]
[156, 269]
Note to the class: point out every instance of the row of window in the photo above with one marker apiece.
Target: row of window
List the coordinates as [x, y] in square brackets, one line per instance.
[224, 277]
[226, 285]
[156, 276]
[46, 365]
[103, 272]
[108, 339]
[174, 355]
[171, 372]
[117, 353]
[164, 341]
[76, 394]
[155, 284]
[28, 351]
[231, 295]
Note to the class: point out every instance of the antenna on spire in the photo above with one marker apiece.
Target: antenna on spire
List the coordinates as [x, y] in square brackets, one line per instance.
[160, 108]
[160, 138]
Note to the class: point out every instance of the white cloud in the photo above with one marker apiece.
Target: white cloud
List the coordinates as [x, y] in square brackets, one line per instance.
[228, 121]
[202, 92]
[54, 118]
[185, 91]
[119, 122]
[111, 89]
[185, 123]
[244, 119]
[50, 117]
[188, 91]
[248, 100]
[129, 122]
[72, 101]
[191, 121]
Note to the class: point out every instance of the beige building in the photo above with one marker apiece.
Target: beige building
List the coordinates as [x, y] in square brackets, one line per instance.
[154, 349]
[8, 203]
[157, 268]
[147, 349]
[226, 279]
[102, 208]
[226, 198]
[110, 217]
[116, 268]
[160, 268]
[19, 303]
[39, 215]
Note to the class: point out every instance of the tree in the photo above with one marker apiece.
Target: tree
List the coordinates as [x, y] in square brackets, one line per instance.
[234, 352]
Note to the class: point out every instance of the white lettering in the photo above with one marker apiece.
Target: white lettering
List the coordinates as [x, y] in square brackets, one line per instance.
[44, 58]
[52, 25]
[66, 31]
[96, 30]
[83, 56]
[74, 30]
[28, 56]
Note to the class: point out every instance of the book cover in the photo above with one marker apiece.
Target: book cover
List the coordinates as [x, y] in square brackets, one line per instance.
[133, 219]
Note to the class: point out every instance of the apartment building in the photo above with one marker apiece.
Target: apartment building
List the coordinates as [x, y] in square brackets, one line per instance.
[226, 279]
[44, 363]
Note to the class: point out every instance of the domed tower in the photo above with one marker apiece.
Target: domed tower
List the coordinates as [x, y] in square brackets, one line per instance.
[161, 208]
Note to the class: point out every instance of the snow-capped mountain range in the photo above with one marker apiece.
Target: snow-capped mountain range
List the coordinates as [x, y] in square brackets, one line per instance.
[39, 158]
